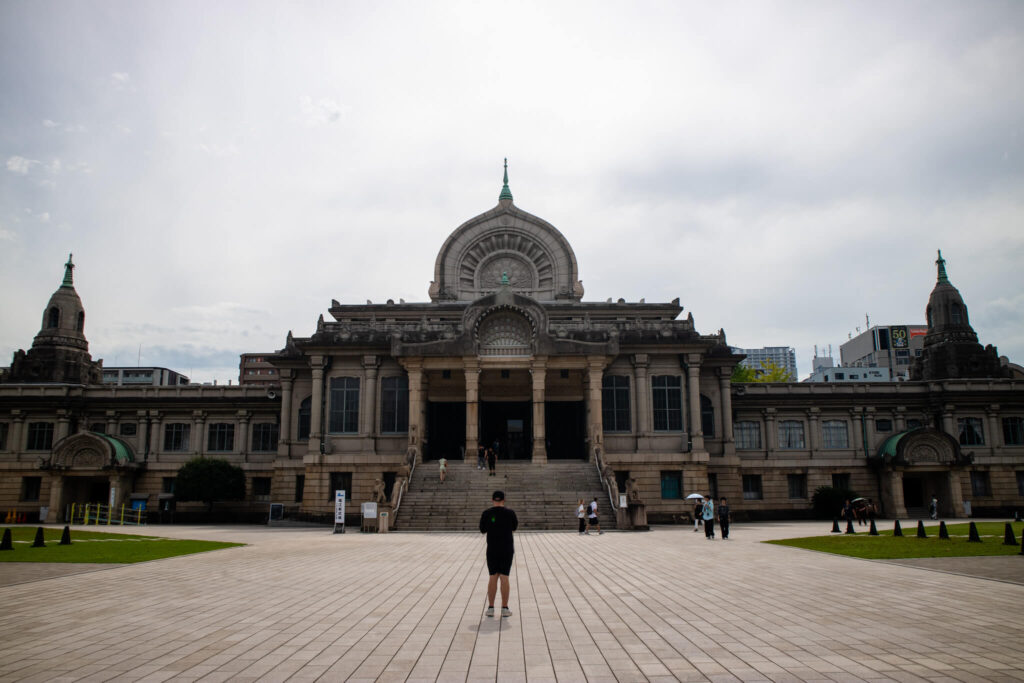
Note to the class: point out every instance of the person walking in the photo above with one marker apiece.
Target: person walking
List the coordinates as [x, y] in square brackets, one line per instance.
[581, 514]
[499, 523]
[698, 514]
[592, 519]
[481, 454]
[723, 517]
[443, 468]
[492, 461]
[847, 511]
[933, 508]
[709, 519]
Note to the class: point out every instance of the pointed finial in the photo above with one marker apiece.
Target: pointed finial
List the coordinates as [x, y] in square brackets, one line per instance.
[941, 263]
[68, 278]
[505, 192]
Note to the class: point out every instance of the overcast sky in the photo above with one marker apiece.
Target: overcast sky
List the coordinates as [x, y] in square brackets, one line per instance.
[221, 171]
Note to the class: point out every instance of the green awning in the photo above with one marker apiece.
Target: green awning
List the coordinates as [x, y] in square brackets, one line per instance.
[122, 451]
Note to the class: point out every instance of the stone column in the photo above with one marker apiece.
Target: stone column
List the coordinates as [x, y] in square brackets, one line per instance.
[56, 514]
[595, 427]
[155, 429]
[414, 367]
[16, 438]
[996, 434]
[316, 408]
[142, 420]
[814, 429]
[111, 416]
[869, 431]
[285, 430]
[948, 425]
[63, 425]
[857, 440]
[539, 372]
[725, 388]
[956, 496]
[198, 421]
[693, 384]
[901, 419]
[471, 371]
[370, 427]
[242, 443]
[771, 435]
[642, 391]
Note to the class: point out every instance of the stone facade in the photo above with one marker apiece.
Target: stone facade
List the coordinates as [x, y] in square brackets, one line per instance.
[507, 352]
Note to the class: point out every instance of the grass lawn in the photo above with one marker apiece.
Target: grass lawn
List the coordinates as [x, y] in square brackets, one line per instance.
[100, 548]
[885, 546]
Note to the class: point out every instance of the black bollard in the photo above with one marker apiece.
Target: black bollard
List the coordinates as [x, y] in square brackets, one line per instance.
[38, 543]
[835, 527]
[65, 538]
[974, 537]
[1008, 537]
[897, 530]
[943, 531]
[6, 543]
[1022, 544]
[920, 529]
[874, 530]
[849, 527]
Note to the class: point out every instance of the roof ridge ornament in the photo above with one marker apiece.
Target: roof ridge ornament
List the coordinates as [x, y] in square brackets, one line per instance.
[505, 192]
[941, 263]
[68, 277]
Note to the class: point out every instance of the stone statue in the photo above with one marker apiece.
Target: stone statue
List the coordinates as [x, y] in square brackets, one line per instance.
[378, 492]
[632, 490]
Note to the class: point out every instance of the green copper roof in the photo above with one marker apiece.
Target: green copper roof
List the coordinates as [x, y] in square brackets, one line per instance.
[888, 449]
[122, 453]
[68, 267]
[505, 192]
[941, 263]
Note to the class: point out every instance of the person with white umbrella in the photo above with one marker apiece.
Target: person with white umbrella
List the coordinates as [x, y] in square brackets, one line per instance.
[698, 509]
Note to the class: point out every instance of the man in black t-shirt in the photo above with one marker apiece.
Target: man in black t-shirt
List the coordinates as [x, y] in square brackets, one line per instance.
[498, 522]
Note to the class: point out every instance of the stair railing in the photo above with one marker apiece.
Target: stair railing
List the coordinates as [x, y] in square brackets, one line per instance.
[600, 475]
[411, 457]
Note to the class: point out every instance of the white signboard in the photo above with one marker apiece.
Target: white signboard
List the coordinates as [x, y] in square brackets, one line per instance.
[369, 511]
[113, 495]
[339, 511]
[622, 501]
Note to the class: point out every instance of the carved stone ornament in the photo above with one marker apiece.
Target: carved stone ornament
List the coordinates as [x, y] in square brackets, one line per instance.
[520, 274]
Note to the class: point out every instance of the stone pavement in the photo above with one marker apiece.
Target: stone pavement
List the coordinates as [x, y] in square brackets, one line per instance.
[303, 604]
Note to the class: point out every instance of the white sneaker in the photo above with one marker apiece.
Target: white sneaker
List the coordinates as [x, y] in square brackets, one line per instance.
[490, 611]
[506, 612]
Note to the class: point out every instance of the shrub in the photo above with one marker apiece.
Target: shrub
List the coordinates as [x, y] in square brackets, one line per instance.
[208, 480]
[828, 502]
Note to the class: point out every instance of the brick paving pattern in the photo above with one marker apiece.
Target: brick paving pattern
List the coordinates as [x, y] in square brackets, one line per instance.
[305, 605]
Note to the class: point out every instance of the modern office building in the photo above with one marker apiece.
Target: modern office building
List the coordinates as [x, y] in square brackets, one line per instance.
[890, 347]
[782, 356]
[157, 377]
[254, 368]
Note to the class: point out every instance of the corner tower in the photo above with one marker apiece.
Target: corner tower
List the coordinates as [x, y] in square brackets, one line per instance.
[60, 352]
[951, 348]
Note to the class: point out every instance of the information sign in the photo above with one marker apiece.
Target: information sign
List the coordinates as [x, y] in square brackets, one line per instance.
[339, 512]
[369, 511]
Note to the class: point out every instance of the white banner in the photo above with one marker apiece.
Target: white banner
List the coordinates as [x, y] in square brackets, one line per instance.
[339, 507]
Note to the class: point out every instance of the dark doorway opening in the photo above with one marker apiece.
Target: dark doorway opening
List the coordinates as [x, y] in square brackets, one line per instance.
[565, 430]
[913, 492]
[510, 425]
[446, 431]
[86, 490]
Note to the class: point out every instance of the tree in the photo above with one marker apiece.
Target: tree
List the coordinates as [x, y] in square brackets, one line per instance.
[208, 480]
[768, 372]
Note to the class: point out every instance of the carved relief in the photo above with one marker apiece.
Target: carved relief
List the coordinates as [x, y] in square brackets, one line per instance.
[505, 333]
[520, 274]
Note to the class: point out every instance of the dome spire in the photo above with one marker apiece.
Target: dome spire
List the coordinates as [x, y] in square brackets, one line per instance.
[941, 263]
[505, 192]
[68, 278]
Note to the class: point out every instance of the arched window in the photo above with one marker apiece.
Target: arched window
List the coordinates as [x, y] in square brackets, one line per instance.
[305, 412]
[53, 318]
[707, 416]
[81, 321]
[956, 315]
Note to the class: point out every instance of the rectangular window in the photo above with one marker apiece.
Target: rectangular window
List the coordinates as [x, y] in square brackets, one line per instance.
[221, 437]
[98, 428]
[340, 481]
[176, 436]
[797, 485]
[791, 434]
[752, 487]
[30, 488]
[3, 435]
[713, 485]
[1013, 431]
[747, 434]
[344, 418]
[264, 436]
[914, 423]
[167, 485]
[40, 436]
[615, 403]
[394, 409]
[883, 425]
[835, 434]
[300, 487]
[841, 481]
[1020, 483]
[128, 428]
[261, 488]
[971, 433]
[671, 484]
[980, 484]
[668, 403]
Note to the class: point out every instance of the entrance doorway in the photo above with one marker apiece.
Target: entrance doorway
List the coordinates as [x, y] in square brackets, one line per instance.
[81, 490]
[446, 431]
[510, 424]
[565, 430]
[918, 489]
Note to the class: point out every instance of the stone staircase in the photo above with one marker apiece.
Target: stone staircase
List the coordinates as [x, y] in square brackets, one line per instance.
[542, 496]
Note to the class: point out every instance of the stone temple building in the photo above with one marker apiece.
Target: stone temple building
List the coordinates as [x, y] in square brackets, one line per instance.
[576, 396]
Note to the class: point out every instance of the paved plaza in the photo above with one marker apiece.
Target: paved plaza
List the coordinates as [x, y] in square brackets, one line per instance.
[301, 604]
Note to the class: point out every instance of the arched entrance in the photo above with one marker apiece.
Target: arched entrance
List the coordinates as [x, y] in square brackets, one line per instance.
[914, 466]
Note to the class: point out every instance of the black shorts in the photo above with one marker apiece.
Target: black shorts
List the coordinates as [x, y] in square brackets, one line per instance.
[499, 561]
[592, 521]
